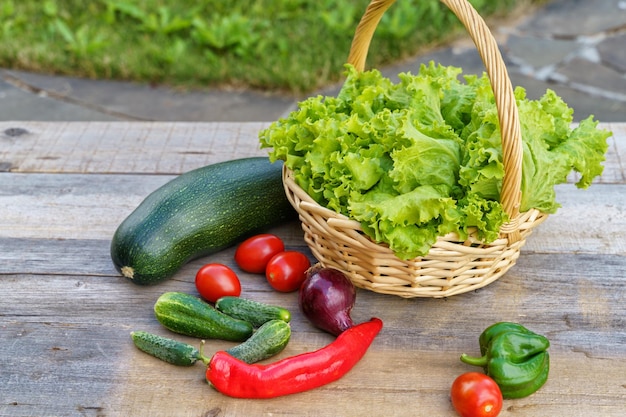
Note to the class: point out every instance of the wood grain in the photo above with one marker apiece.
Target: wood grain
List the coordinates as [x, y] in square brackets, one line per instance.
[125, 147]
[66, 314]
[164, 147]
[77, 206]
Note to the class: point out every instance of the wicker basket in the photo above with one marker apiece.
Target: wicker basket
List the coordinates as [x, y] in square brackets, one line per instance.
[451, 266]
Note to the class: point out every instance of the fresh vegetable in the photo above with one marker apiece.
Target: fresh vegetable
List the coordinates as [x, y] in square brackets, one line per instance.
[326, 298]
[198, 213]
[253, 254]
[474, 394]
[185, 314]
[214, 281]
[254, 312]
[294, 374]
[268, 340]
[286, 271]
[422, 158]
[515, 357]
[166, 349]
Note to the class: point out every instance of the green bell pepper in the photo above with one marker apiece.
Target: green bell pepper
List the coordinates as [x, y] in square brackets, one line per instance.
[514, 357]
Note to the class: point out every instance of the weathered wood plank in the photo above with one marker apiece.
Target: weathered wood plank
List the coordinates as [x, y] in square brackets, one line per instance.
[70, 206]
[165, 148]
[100, 147]
[615, 167]
[92, 257]
[55, 256]
[588, 221]
[74, 206]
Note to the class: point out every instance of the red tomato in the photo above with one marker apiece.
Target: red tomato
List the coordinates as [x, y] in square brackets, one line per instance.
[214, 281]
[475, 394]
[253, 254]
[286, 271]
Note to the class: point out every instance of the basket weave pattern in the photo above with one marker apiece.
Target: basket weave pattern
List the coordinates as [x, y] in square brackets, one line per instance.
[451, 266]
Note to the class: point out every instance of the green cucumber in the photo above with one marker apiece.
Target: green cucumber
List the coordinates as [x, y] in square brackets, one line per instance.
[267, 341]
[251, 311]
[198, 213]
[168, 350]
[185, 314]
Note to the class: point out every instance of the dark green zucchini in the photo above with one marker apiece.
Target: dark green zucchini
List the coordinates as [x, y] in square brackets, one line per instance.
[198, 213]
[168, 350]
[251, 311]
[185, 314]
[267, 341]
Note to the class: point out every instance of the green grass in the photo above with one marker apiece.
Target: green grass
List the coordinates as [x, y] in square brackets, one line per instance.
[287, 45]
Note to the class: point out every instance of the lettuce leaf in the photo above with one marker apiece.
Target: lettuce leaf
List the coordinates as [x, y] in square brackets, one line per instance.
[422, 158]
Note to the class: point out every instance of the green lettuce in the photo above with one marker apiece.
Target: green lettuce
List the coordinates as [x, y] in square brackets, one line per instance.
[422, 158]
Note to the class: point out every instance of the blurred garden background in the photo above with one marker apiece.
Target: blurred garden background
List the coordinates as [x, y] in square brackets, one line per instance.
[293, 46]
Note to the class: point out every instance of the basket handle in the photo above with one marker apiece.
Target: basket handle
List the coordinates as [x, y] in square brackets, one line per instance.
[510, 195]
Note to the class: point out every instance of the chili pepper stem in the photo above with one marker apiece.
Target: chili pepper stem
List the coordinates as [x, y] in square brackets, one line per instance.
[470, 360]
[205, 360]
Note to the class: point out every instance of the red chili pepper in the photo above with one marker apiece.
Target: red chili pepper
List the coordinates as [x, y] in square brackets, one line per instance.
[299, 373]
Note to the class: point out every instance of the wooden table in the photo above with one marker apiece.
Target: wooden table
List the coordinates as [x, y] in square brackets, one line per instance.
[66, 314]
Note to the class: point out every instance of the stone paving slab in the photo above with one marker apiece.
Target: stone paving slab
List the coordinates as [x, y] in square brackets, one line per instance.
[598, 79]
[602, 110]
[19, 105]
[539, 53]
[143, 102]
[575, 18]
[613, 52]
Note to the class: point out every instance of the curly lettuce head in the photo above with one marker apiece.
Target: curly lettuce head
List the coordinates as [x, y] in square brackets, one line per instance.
[422, 158]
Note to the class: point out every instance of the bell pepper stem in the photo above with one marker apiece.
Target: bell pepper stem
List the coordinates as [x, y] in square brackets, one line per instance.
[473, 360]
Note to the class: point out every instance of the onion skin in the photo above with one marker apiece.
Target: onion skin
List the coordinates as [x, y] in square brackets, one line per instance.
[326, 298]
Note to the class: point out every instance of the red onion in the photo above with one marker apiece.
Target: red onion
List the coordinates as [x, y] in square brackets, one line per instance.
[326, 299]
